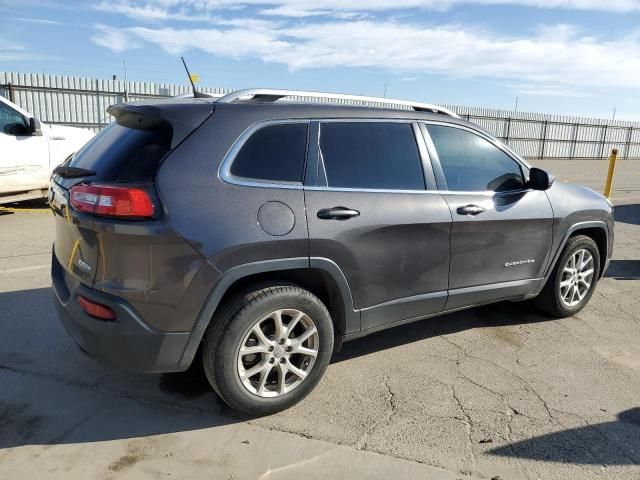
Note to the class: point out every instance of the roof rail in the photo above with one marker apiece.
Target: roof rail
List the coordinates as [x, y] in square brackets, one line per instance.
[272, 95]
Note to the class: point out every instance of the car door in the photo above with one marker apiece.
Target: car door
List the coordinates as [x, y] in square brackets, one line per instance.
[502, 230]
[372, 214]
[24, 158]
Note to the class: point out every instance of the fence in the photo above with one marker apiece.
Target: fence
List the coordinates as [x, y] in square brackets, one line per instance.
[83, 102]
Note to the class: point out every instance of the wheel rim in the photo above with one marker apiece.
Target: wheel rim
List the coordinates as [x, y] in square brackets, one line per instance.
[278, 353]
[577, 277]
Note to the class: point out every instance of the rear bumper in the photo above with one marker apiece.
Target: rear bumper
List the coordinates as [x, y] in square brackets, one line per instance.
[127, 342]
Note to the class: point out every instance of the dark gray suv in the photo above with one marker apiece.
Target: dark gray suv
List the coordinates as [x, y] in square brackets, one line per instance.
[257, 234]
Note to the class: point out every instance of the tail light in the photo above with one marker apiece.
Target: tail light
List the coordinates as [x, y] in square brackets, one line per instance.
[111, 201]
[96, 310]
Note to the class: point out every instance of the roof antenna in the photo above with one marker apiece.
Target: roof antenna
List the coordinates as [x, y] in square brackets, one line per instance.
[196, 94]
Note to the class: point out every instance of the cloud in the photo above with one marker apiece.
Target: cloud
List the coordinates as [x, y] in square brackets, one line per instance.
[235, 42]
[115, 39]
[11, 51]
[157, 11]
[554, 60]
[202, 10]
[534, 90]
[555, 56]
[42, 21]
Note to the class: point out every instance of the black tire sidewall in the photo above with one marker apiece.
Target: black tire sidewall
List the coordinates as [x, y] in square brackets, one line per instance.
[580, 243]
[225, 356]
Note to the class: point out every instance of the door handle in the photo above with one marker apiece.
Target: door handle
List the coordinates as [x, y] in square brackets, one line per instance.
[470, 210]
[337, 213]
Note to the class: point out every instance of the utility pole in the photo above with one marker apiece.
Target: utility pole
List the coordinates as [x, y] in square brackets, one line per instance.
[516, 109]
[614, 114]
[384, 95]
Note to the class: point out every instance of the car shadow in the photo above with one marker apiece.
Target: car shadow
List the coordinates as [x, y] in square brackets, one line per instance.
[51, 393]
[494, 315]
[629, 213]
[609, 443]
[26, 205]
[624, 270]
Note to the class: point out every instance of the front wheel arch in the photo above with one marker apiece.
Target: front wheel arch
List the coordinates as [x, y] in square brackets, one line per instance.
[598, 235]
[597, 230]
[549, 299]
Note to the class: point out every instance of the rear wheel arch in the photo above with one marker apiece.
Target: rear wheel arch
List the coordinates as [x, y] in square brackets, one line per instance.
[316, 280]
[320, 276]
[269, 348]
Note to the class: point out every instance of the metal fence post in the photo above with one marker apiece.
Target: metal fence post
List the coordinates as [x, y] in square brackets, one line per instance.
[99, 122]
[12, 93]
[544, 138]
[574, 141]
[604, 140]
[627, 144]
[508, 130]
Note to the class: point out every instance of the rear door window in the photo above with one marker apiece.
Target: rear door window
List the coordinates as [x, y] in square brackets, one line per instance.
[471, 164]
[371, 155]
[275, 153]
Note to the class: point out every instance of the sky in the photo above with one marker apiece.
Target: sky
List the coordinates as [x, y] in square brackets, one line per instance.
[579, 57]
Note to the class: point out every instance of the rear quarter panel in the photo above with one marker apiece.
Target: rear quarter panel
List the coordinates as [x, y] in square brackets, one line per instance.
[155, 270]
[220, 219]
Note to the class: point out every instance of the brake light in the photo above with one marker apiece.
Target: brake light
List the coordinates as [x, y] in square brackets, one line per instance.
[111, 201]
[96, 310]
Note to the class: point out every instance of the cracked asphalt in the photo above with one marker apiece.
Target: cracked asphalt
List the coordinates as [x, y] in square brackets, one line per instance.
[497, 392]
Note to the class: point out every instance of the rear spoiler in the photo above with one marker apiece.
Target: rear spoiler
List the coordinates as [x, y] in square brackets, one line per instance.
[181, 118]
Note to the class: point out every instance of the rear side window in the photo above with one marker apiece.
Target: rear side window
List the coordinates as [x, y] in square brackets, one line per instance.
[371, 155]
[121, 154]
[273, 153]
[470, 163]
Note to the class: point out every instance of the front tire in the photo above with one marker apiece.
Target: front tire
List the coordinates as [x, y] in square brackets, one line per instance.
[268, 348]
[573, 279]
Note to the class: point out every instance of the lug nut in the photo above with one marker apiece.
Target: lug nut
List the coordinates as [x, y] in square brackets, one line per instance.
[283, 360]
[272, 360]
[271, 348]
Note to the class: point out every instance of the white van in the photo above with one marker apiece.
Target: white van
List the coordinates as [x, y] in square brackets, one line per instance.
[30, 150]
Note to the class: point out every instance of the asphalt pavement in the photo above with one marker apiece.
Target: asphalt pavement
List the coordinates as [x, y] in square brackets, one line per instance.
[493, 392]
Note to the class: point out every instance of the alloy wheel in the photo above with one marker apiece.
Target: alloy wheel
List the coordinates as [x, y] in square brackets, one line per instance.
[577, 277]
[278, 353]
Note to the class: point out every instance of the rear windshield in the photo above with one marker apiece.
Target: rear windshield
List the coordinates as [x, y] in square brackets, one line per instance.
[121, 154]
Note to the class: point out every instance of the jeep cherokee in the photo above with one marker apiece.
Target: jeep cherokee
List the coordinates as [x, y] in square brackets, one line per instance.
[256, 234]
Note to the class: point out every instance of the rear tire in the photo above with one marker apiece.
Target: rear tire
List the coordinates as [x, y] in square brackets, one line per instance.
[266, 349]
[570, 286]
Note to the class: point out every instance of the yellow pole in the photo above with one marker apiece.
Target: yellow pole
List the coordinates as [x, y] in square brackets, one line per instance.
[612, 166]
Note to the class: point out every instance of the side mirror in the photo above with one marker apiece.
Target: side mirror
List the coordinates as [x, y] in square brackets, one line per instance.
[540, 179]
[35, 127]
